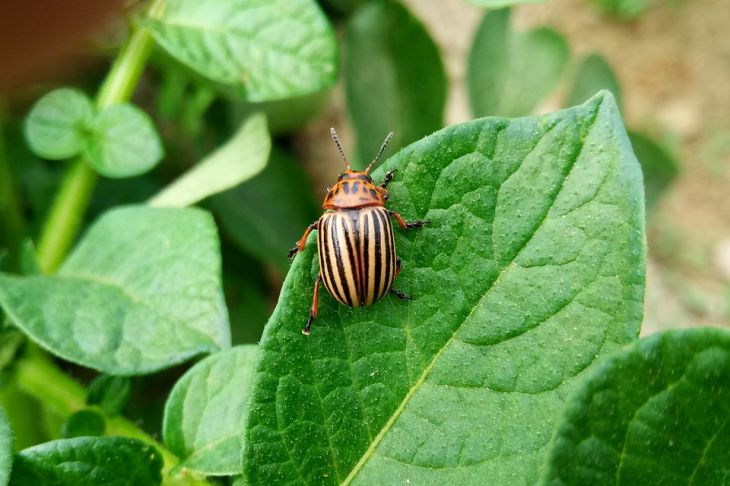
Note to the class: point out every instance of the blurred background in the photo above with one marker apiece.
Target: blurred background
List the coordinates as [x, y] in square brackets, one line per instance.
[411, 67]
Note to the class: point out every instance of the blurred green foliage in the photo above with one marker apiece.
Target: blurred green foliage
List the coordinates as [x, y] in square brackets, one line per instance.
[229, 91]
[509, 71]
[84, 423]
[394, 78]
[659, 166]
[593, 73]
[266, 216]
[624, 9]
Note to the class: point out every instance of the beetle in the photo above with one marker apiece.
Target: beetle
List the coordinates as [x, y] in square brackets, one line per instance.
[355, 243]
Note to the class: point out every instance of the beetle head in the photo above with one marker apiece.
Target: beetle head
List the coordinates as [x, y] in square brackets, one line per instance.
[355, 188]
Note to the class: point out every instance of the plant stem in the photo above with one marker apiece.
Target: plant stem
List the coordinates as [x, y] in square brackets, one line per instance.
[65, 216]
[67, 211]
[35, 373]
[39, 377]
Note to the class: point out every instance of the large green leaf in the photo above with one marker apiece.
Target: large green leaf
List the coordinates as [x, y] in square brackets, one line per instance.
[57, 126]
[533, 266]
[139, 293]
[88, 461]
[394, 78]
[593, 74]
[656, 412]
[124, 142]
[266, 215]
[205, 414]
[241, 158]
[510, 72]
[270, 49]
[6, 449]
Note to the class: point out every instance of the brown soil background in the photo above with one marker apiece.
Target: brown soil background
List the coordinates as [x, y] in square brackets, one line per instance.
[673, 63]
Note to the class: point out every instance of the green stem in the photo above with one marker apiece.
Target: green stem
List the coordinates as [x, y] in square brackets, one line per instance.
[40, 378]
[65, 216]
[35, 373]
[67, 211]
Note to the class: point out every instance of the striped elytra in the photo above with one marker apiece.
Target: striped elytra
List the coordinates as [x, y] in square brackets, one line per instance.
[355, 244]
[356, 252]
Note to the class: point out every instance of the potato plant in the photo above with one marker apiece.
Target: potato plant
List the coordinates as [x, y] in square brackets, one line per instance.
[518, 360]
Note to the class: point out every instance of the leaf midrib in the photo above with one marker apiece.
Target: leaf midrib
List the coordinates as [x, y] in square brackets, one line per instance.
[416, 386]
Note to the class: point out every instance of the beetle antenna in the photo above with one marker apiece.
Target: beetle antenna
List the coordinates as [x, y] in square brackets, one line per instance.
[339, 147]
[380, 152]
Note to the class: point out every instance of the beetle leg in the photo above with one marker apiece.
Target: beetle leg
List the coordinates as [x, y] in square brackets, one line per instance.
[303, 240]
[315, 307]
[416, 223]
[388, 178]
[395, 291]
[399, 294]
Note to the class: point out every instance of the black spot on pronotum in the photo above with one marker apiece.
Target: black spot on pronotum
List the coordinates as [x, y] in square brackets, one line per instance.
[372, 192]
[355, 185]
[346, 187]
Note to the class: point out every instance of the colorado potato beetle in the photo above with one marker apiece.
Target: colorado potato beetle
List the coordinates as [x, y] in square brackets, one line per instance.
[355, 243]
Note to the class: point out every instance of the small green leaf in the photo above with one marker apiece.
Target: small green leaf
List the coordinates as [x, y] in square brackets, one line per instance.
[592, 75]
[205, 414]
[6, 449]
[624, 9]
[268, 49]
[658, 164]
[111, 393]
[124, 142]
[391, 59]
[140, 292]
[241, 158]
[501, 3]
[88, 461]
[532, 267]
[10, 342]
[29, 264]
[248, 291]
[266, 215]
[656, 412]
[57, 126]
[84, 423]
[511, 72]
